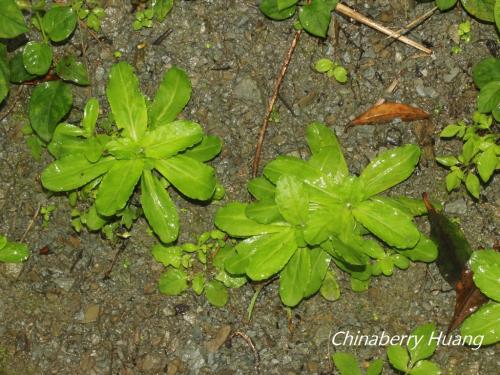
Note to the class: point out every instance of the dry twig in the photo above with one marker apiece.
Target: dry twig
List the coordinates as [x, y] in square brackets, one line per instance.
[250, 343]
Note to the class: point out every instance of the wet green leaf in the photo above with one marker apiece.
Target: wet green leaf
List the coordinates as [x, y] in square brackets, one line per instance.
[261, 188]
[330, 161]
[315, 17]
[18, 72]
[398, 357]
[330, 289]
[425, 347]
[209, 147]
[346, 363]
[425, 368]
[486, 267]
[424, 251]
[161, 8]
[59, 22]
[319, 261]
[484, 322]
[375, 367]
[473, 185]
[71, 70]
[292, 199]
[294, 278]
[486, 71]
[359, 286]
[292, 166]
[173, 282]
[486, 163]
[92, 220]
[198, 283]
[13, 252]
[482, 9]
[90, 115]
[445, 4]
[264, 212]
[274, 9]
[216, 293]
[37, 57]
[167, 255]
[12, 21]
[489, 97]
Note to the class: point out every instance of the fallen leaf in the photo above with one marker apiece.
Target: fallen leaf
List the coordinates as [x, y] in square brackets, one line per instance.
[386, 112]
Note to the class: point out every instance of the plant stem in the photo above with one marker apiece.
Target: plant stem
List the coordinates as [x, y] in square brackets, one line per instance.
[39, 19]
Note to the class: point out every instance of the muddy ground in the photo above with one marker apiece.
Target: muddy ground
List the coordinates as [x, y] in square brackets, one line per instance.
[59, 316]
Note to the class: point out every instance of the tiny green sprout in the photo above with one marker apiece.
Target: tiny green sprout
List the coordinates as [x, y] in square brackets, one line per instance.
[332, 70]
[274, 116]
[464, 31]
[126, 264]
[456, 50]
[46, 212]
[117, 54]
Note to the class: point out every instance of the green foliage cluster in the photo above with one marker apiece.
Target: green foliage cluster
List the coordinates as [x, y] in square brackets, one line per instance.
[314, 16]
[332, 70]
[484, 10]
[485, 322]
[89, 11]
[309, 213]
[12, 252]
[148, 147]
[156, 10]
[411, 360]
[201, 264]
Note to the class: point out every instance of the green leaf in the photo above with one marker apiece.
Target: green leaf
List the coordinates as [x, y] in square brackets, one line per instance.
[319, 136]
[49, 103]
[12, 21]
[346, 249]
[230, 281]
[497, 14]
[447, 161]
[484, 322]
[330, 289]
[319, 261]
[233, 220]
[323, 65]
[422, 346]
[73, 171]
[375, 367]
[389, 168]
[90, 115]
[191, 177]
[117, 186]
[445, 4]
[340, 73]
[14, 252]
[261, 188]
[209, 147]
[71, 70]
[292, 200]
[167, 256]
[472, 184]
[37, 57]
[315, 17]
[67, 139]
[161, 8]
[411, 206]
[216, 293]
[173, 282]
[398, 357]
[4, 72]
[126, 100]
[238, 262]
[486, 267]
[59, 22]
[346, 363]
[264, 212]
[330, 161]
[424, 251]
[482, 9]
[294, 278]
[272, 9]
[158, 208]
[172, 96]
[486, 71]
[489, 97]
[171, 138]
[292, 166]
[198, 283]
[325, 221]
[388, 223]
[18, 72]
[453, 180]
[271, 255]
[486, 163]
[92, 220]
[359, 286]
[450, 131]
[425, 368]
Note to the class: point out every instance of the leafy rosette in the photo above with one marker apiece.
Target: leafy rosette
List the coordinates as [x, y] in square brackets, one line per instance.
[150, 148]
[309, 213]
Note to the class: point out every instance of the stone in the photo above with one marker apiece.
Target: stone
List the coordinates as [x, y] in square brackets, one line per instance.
[457, 207]
[219, 339]
[247, 89]
[91, 313]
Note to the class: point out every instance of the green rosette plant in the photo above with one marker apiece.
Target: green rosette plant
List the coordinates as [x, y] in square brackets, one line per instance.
[309, 213]
[484, 10]
[151, 149]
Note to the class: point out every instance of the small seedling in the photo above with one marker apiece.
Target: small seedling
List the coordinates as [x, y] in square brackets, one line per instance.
[464, 31]
[46, 212]
[89, 11]
[332, 70]
[12, 252]
[155, 11]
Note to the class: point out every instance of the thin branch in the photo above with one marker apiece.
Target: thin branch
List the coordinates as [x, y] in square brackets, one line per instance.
[345, 10]
[250, 343]
[417, 21]
[30, 224]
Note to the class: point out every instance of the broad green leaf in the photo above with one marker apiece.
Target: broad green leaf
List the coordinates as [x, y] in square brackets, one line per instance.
[209, 147]
[389, 168]
[400, 261]
[330, 289]
[425, 368]
[233, 220]
[324, 65]
[73, 171]
[349, 251]
[71, 70]
[453, 180]
[284, 4]
[261, 188]
[191, 177]
[59, 22]
[319, 136]
[482, 9]
[358, 285]
[67, 139]
[486, 267]
[18, 72]
[398, 357]
[445, 4]
[264, 212]
[198, 283]
[390, 224]
[484, 322]
[49, 103]
[161, 8]
[272, 255]
[330, 161]
[118, 185]
[171, 138]
[372, 249]
[473, 185]
[346, 363]
[486, 71]
[12, 21]
[173, 282]
[216, 293]
[292, 166]
[271, 9]
[425, 347]
[489, 97]
[411, 206]
[315, 17]
[319, 261]
[159, 208]
[37, 57]
[14, 252]
[92, 220]
[447, 161]
[292, 200]
[172, 96]
[167, 255]
[294, 277]
[322, 223]
[375, 367]
[486, 163]
[230, 281]
[90, 115]
[450, 130]
[386, 266]
[126, 100]
[238, 262]
[4, 72]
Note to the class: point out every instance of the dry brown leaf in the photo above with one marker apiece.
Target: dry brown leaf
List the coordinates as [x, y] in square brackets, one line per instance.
[386, 112]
